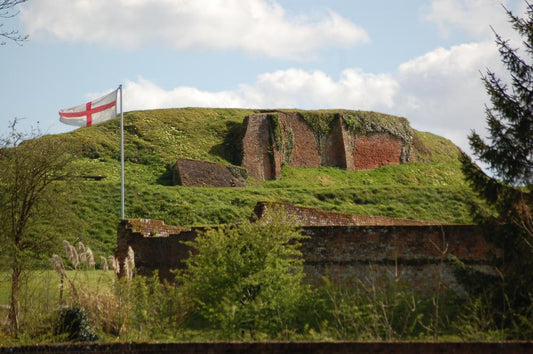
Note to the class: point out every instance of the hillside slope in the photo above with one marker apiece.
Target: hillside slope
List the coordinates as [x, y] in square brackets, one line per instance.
[432, 188]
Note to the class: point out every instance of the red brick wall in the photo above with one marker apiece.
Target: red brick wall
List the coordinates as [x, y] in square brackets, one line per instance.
[370, 254]
[305, 151]
[256, 146]
[194, 173]
[334, 148]
[409, 254]
[339, 148]
[156, 246]
[372, 151]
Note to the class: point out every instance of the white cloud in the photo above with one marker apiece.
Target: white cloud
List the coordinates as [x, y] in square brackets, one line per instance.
[473, 16]
[281, 89]
[255, 26]
[315, 89]
[440, 91]
[144, 94]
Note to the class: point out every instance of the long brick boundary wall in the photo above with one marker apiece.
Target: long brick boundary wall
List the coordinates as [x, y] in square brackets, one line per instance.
[283, 347]
[421, 256]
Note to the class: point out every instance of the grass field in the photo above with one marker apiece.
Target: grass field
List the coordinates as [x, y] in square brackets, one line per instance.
[44, 285]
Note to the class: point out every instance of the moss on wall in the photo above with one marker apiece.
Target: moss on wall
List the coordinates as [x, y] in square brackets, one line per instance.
[361, 123]
[366, 123]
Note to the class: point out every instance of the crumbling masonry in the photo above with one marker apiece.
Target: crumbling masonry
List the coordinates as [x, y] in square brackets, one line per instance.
[344, 247]
[272, 139]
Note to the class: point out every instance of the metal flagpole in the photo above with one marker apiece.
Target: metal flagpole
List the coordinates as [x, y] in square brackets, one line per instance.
[122, 213]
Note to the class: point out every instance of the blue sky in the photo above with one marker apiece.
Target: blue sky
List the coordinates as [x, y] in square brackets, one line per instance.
[420, 59]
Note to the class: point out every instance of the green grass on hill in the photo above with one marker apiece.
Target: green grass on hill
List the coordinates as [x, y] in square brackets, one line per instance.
[430, 189]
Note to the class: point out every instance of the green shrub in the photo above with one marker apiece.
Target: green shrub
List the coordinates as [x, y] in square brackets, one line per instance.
[75, 324]
[246, 280]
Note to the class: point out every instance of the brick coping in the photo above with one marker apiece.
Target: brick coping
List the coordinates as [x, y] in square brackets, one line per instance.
[280, 347]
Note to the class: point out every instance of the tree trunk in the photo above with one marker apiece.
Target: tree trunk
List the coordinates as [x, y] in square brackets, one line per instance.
[14, 300]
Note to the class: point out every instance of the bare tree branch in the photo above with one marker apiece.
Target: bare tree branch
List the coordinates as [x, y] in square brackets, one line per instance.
[7, 10]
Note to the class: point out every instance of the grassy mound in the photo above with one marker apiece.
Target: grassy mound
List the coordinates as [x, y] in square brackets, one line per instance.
[430, 189]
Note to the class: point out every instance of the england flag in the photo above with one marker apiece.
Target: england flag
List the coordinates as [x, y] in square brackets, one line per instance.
[90, 113]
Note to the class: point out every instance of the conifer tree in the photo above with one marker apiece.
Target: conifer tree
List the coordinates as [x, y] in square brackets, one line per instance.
[510, 120]
[509, 149]
[508, 153]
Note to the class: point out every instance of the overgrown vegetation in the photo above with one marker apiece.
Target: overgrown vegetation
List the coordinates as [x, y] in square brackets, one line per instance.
[243, 283]
[246, 280]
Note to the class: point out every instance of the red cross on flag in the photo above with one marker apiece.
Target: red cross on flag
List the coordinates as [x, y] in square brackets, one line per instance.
[90, 113]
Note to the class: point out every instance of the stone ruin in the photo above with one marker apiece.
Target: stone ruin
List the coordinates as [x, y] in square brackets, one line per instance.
[194, 173]
[272, 139]
[276, 138]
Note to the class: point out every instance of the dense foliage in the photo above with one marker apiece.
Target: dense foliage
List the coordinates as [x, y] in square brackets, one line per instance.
[242, 283]
[247, 277]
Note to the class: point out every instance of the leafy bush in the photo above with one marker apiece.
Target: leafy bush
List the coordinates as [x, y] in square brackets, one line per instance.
[75, 323]
[246, 277]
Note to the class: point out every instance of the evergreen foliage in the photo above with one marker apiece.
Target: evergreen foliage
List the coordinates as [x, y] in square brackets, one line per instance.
[75, 324]
[509, 151]
[509, 154]
[510, 120]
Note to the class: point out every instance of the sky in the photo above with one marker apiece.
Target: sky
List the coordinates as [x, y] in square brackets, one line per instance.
[418, 59]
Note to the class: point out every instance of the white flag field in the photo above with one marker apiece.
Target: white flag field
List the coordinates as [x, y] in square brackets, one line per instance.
[90, 113]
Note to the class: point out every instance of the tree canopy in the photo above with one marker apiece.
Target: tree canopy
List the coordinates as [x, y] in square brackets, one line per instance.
[508, 150]
[246, 277]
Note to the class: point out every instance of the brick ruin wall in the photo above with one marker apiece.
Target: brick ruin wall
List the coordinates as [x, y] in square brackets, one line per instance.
[156, 246]
[375, 150]
[305, 150]
[335, 147]
[410, 253]
[272, 139]
[256, 149]
[195, 173]
[300, 147]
